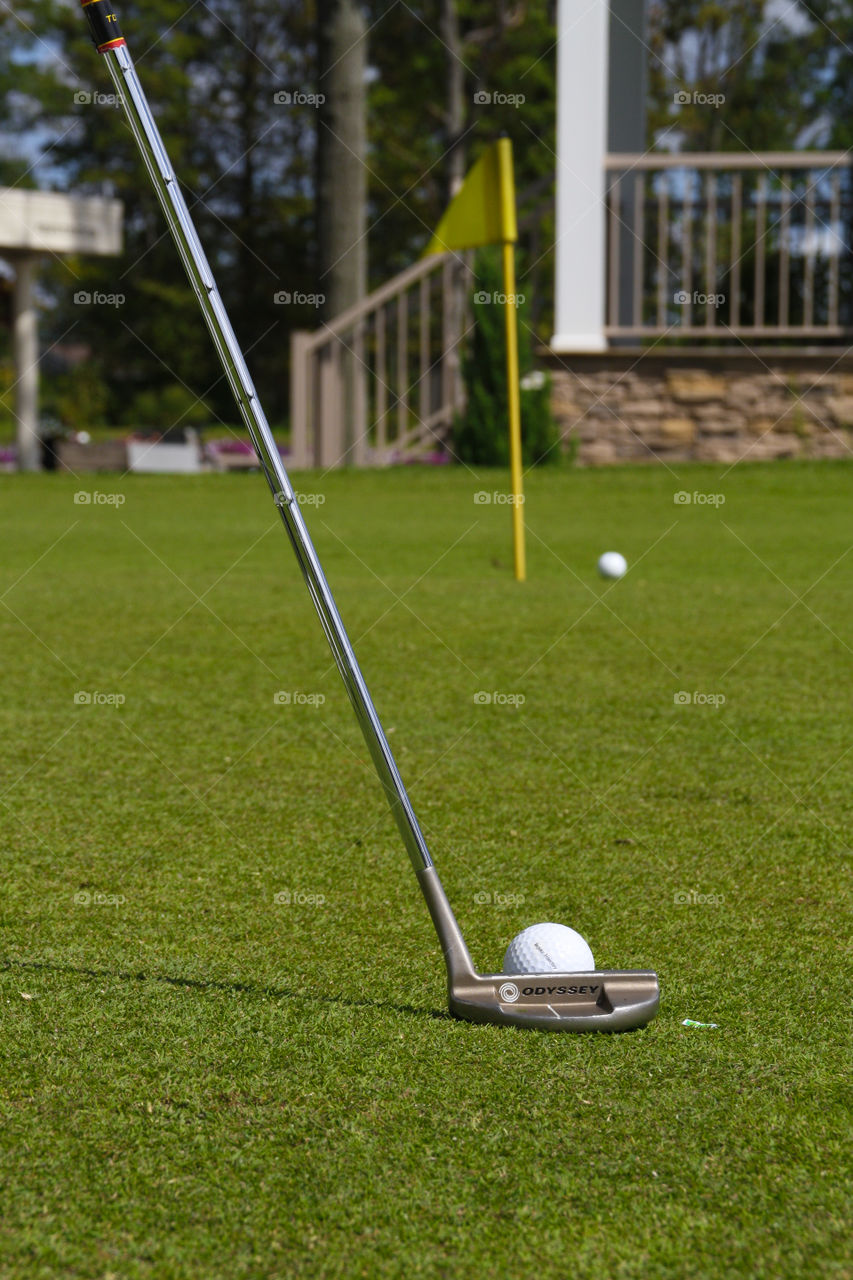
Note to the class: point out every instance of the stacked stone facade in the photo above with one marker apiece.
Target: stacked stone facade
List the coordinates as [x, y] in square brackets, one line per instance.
[682, 406]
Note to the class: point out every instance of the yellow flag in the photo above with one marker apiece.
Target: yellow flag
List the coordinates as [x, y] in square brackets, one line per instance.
[483, 209]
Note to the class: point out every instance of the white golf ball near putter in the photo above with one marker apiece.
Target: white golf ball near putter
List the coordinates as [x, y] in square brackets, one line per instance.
[612, 565]
[548, 948]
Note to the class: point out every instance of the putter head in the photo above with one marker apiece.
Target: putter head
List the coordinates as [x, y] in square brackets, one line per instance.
[597, 1000]
[603, 1000]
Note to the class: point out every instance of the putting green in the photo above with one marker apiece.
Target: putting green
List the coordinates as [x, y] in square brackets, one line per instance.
[225, 1047]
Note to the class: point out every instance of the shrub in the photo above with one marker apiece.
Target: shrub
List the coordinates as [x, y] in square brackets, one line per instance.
[481, 432]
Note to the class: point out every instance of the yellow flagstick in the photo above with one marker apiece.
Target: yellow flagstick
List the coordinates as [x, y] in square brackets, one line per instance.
[514, 398]
[510, 235]
[483, 212]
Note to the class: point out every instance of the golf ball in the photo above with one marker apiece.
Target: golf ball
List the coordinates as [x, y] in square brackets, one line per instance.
[612, 565]
[548, 948]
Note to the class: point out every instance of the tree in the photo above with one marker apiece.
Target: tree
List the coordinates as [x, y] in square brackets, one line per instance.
[731, 76]
[433, 112]
[830, 68]
[212, 74]
[341, 155]
[233, 87]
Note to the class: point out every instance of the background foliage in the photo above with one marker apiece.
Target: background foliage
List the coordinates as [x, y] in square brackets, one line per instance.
[247, 165]
[247, 162]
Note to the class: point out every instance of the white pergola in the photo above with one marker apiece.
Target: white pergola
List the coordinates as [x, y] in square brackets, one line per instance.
[32, 224]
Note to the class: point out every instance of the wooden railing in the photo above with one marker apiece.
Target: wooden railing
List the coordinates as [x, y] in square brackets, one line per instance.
[381, 383]
[720, 244]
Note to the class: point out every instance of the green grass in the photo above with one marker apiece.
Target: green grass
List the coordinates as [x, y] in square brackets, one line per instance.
[205, 1082]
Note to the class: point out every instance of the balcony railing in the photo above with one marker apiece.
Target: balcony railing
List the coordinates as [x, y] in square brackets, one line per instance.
[381, 383]
[719, 245]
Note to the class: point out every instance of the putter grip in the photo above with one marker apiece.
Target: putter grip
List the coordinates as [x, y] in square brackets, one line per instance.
[103, 25]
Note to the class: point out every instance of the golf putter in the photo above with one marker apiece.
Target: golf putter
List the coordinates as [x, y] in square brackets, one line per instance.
[607, 1000]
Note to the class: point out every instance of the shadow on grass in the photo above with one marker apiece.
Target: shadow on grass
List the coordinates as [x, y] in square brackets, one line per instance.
[251, 988]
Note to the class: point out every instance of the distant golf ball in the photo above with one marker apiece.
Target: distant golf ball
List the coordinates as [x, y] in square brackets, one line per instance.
[548, 948]
[612, 565]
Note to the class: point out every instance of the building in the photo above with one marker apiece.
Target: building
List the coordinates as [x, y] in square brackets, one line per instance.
[699, 299]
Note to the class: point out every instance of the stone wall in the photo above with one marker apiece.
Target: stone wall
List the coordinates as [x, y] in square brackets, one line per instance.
[682, 405]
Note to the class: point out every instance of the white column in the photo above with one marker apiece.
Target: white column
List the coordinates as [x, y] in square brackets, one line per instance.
[582, 49]
[26, 348]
